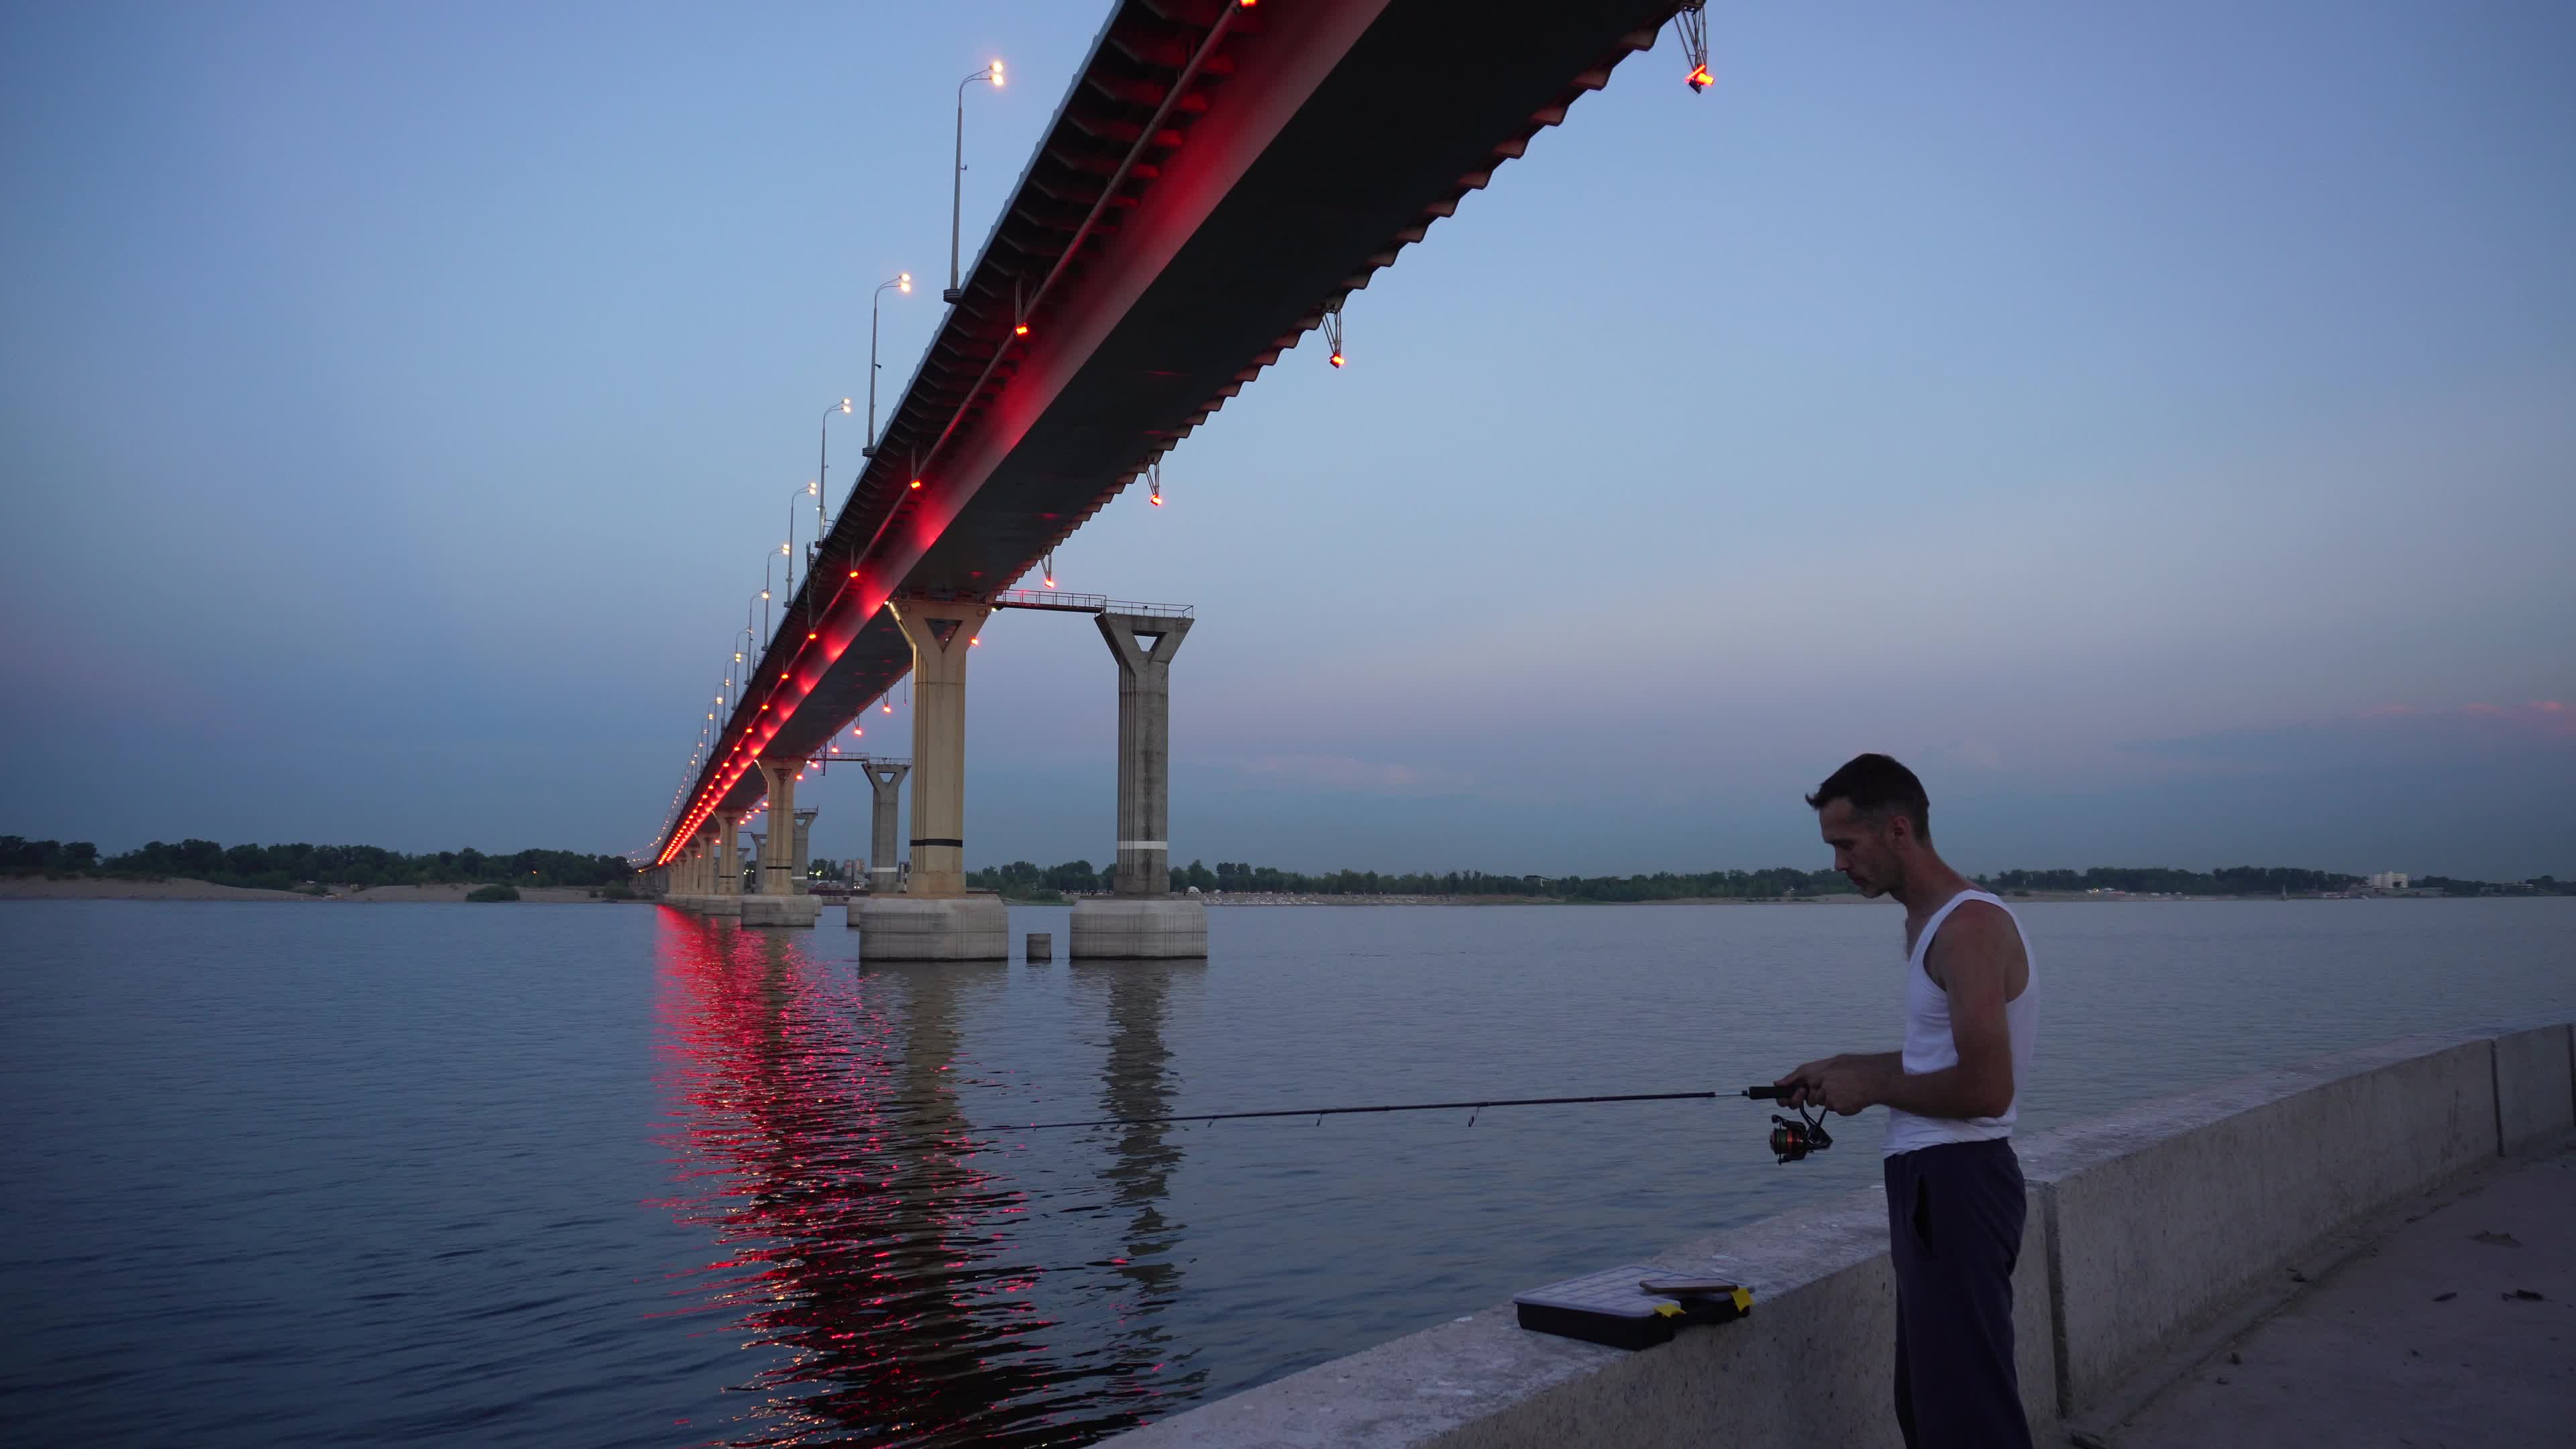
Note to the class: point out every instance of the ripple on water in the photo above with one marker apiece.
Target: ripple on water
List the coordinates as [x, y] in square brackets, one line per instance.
[288, 1175]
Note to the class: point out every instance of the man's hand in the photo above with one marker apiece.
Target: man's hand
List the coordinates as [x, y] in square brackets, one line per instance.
[1843, 1084]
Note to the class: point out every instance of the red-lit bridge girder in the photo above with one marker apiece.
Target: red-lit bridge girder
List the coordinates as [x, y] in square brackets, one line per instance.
[1216, 178]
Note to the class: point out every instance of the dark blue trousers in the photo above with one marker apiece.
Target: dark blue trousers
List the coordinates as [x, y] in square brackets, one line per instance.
[1954, 1219]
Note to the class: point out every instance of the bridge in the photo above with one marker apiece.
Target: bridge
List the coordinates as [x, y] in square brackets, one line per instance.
[1219, 177]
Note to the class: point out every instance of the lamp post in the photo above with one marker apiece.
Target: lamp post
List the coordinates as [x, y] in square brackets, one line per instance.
[823, 468]
[903, 282]
[957, 187]
[788, 549]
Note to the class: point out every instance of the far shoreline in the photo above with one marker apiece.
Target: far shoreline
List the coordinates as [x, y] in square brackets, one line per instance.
[87, 888]
[173, 888]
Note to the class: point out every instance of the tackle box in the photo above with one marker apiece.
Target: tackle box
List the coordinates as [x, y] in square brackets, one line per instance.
[1610, 1308]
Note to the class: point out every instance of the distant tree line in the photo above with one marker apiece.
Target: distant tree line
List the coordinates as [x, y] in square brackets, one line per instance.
[1024, 880]
[2539, 885]
[2234, 880]
[2247, 880]
[283, 867]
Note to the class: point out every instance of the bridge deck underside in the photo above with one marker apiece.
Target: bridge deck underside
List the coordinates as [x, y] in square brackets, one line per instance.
[1416, 106]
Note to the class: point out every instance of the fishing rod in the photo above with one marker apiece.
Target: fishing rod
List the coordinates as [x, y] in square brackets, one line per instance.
[1790, 1139]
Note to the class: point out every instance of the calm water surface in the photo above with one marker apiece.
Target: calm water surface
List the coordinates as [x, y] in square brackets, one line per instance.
[295, 1174]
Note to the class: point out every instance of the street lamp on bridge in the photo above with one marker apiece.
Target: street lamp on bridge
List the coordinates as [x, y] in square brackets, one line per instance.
[768, 562]
[957, 188]
[787, 550]
[823, 468]
[903, 283]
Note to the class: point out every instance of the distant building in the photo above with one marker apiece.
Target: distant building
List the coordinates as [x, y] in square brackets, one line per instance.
[2388, 880]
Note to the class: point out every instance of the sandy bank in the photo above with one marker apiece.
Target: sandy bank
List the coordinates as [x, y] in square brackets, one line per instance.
[38, 888]
[1265, 898]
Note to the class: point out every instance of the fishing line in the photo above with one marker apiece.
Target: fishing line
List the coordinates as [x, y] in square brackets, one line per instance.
[1792, 1140]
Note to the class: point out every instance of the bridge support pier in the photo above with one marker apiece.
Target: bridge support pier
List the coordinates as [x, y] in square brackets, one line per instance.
[724, 872]
[778, 903]
[885, 853]
[701, 875]
[1142, 920]
[935, 919]
[804, 850]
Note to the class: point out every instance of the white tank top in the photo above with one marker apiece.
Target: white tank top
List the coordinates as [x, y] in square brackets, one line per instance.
[1929, 1046]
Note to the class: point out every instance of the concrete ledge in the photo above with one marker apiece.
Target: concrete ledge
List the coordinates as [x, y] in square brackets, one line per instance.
[2145, 1228]
[2166, 1214]
[779, 910]
[2533, 1072]
[1139, 928]
[1813, 1365]
[914, 928]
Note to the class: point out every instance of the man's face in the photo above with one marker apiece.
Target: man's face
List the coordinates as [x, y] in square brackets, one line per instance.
[1860, 845]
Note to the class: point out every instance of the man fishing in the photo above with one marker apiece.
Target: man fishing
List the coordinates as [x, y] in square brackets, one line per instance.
[1954, 1187]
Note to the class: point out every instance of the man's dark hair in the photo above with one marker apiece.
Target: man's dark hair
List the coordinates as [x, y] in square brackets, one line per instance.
[1876, 785]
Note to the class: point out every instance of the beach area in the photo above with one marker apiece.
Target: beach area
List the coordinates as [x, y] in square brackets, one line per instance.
[76, 888]
[102, 888]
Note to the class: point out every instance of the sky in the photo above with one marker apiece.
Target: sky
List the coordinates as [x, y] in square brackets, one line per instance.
[2156, 424]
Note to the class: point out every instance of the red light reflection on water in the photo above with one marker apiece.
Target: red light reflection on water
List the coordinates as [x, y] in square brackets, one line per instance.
[817, 1134]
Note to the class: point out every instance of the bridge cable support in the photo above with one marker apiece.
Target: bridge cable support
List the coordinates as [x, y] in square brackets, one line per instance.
[1691, 22]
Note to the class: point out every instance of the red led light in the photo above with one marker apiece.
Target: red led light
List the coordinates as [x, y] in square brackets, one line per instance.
[916, 482]
[1337, 359]
[1699, 78]
[1020, 331]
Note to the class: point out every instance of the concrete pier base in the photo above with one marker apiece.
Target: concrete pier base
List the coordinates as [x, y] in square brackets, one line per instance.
[1139, 928]
[937, 928]
[780, 910]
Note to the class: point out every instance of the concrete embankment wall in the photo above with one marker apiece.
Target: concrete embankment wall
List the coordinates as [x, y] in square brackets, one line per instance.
[2146, 1228]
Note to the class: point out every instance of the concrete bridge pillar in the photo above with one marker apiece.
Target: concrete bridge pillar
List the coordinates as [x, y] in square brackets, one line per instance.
[728, 853]
[778, 847]
[1143, 645]
[885, 852]
[703, 864]
[942, 633]
[804, 849]
[935, 919]
[778, 903]
[1143, 921]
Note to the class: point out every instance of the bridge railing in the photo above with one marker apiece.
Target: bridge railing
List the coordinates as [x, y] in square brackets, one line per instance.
[1061, 602]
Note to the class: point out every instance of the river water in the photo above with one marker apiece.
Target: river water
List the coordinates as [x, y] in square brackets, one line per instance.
[304, 1174]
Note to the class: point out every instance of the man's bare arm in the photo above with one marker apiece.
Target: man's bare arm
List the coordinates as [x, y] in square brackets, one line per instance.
[1974, 957]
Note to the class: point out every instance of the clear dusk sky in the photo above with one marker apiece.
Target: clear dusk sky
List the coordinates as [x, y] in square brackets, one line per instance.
[2155, 423]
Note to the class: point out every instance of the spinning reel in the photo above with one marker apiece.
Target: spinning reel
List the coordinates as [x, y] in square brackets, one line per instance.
[1792, 1138]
